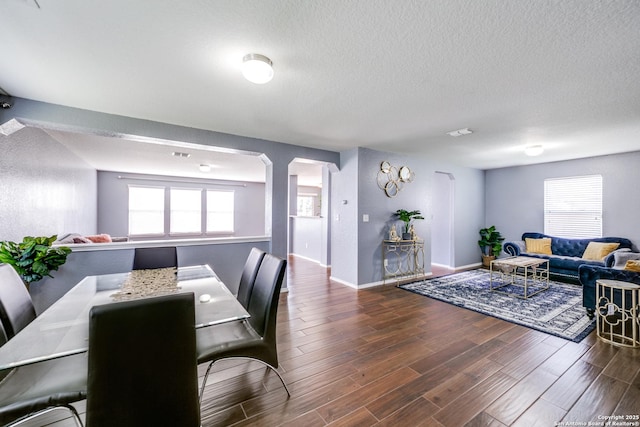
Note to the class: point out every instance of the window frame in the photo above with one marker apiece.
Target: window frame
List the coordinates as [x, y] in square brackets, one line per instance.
[166, 231]
[315, 209]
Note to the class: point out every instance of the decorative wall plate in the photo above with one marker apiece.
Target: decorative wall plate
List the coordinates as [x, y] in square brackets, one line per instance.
[391, 180]
[385, 167]
[404, 174]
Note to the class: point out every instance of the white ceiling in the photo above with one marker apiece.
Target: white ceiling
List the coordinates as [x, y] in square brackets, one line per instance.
[394, 75]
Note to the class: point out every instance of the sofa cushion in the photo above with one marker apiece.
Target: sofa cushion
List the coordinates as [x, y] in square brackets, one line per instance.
[570, 263]
[575, 247]
[563, 264]
[99, 238]
[621, 258]
[632, 265]
[538, 246]
[596, 251]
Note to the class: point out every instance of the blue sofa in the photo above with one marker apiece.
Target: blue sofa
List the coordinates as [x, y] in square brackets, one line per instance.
[590, 273]
[567, 253]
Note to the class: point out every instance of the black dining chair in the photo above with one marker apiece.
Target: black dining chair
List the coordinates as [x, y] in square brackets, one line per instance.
[32, 390]
[248, 277]
[254, 338]
[142, 363]
[162, 257]
[16, 306]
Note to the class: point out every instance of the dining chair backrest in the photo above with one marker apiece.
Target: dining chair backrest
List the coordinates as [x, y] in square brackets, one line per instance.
[142, 363]
[263, 305]
[249, 273]
[162, 257]
[3, 335]
[16, 306]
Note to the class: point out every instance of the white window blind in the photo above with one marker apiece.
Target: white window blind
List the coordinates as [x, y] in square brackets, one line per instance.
[573, 206]
[186, 211]
[146, 210]
[220, 209]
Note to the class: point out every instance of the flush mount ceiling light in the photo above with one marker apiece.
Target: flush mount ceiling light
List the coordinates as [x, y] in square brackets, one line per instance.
[533, 150]
[460, 132]
[257, 68]
[205, 168]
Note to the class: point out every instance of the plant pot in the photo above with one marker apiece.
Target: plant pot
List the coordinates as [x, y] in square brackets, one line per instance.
[406, 236]
[486, 260]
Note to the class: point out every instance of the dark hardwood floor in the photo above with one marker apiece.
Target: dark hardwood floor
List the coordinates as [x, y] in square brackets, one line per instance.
[386, 357]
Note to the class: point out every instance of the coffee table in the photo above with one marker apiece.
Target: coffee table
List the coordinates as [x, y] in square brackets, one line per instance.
[529, 273]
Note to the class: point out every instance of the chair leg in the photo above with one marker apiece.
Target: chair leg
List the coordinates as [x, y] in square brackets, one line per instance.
[204, 382]
[268, 366]
[29, 417]
[277, 373]
[206, 375]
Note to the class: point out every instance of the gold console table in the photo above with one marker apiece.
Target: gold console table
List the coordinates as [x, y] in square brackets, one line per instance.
[402, 259]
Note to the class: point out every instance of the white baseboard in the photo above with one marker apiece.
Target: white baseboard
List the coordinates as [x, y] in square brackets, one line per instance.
[378, 283]
[309, 259]
[469, 266]
[464, 267]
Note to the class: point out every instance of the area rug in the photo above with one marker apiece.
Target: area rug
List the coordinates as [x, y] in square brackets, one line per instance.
[557, 311]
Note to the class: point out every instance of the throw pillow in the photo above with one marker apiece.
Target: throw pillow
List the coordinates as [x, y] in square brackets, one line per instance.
[621, 258]
[596, 251]
[100, 238]
[632, 265]
[538, 246]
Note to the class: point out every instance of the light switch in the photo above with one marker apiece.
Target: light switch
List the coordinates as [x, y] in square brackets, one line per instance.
[365, 218]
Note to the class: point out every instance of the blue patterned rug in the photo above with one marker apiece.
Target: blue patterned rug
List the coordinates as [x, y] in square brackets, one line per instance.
[557, 311]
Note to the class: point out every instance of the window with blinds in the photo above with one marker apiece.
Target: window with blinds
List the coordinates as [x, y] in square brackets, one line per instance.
[220, 211]
[573, 206]
[185, 216]
[146, 210]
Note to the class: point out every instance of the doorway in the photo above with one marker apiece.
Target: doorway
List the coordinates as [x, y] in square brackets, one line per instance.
[442, 237]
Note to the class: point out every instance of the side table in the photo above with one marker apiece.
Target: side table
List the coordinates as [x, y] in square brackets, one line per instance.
[402, 259]
[617, 312]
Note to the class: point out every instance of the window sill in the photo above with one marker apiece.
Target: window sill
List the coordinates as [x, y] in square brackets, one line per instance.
[86, 247]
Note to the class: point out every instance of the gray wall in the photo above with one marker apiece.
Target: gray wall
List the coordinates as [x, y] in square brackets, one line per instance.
[307, 237]
[344, 222]
[372, 201]
[113, 199]
[44, 188]
[43, 115]
[468, 212]
[515, 196]
[356, 184]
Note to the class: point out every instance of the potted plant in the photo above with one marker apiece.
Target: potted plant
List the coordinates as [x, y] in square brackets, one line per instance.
[406, 217]
[490, 244]
[34, 257]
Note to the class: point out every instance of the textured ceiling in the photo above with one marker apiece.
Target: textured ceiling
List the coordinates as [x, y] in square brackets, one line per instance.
[390, 75]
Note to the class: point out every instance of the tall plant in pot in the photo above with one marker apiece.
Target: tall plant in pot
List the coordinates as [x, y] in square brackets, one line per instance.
[490, 244]
[407, 217]
[34, 257]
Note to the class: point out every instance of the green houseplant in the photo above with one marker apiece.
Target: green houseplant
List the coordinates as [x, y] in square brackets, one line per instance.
[33, 258]
[490, 244]
[407, 217]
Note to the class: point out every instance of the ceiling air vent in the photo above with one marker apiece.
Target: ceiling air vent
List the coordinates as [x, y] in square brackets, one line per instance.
[179, 154]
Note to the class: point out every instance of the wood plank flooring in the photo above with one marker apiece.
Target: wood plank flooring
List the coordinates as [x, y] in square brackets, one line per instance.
[388, 357]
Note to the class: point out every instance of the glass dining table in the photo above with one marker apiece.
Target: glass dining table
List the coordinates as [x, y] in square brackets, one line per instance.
[63, 328]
